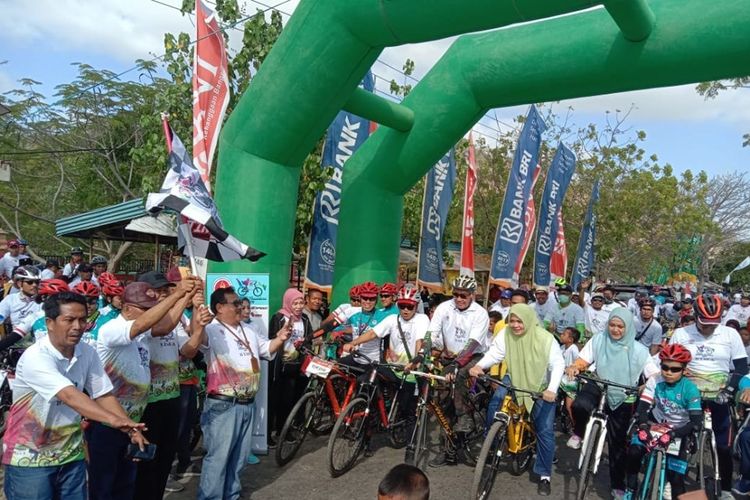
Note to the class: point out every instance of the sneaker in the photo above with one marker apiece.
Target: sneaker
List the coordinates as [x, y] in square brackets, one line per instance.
[464, 424]
[628, 495]
[173, 486]
[618, 494]
[252, 459]
[574, 442]
[667, 493]
[443, 459]
[543, 488]
[192, 470]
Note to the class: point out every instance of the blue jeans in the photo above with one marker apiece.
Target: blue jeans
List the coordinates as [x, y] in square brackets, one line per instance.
[41, 483]
[227, 433]
[111, 475]
[543, 417]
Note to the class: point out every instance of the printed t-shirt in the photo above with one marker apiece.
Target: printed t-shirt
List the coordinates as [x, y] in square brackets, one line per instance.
[164, 363]
[672, 403]
[452, 329]
[569, 316]
[413, 330]
[361, 322]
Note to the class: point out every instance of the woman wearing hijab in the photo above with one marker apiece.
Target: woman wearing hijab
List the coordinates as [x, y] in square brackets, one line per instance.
[287, 383]
[534, 363]
[619, 358]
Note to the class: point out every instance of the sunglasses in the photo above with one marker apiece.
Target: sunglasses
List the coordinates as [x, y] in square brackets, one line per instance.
[408, 307]
[671, 369]
[461, 295]
[385, 295]
[354, 299]
[31, 282]
[368, 299]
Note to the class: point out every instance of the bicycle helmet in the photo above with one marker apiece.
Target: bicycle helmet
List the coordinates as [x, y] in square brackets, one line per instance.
[464, 282]
[52, 286]
[98, 259]
[708, 309]
[76, 251]
[368, 289]
[560, 282]
[113, 289]
[408, 294]
[641, 293]
[106, 278]
[648, 301]
[26, 273]
[354, 292]
[87, 289]
[389, 289]
[675, 352]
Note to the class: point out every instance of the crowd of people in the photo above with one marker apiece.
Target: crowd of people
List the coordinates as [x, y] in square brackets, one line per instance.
[105, 394]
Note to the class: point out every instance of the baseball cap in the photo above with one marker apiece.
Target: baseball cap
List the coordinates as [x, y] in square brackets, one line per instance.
[543, 289]
[565, 288]
[156, 279]
[13, 244]
[506, 294]
[597, 295]
[141, 294]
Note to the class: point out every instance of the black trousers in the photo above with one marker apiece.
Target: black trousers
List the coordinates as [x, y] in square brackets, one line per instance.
[617, 428]
[284, 392]
[162, 419]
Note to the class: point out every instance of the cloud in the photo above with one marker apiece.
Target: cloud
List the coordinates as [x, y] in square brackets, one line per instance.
[6, 83]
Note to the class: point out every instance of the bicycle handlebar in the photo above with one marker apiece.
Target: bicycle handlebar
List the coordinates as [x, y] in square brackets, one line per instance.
[533, 394]
[607, 383]
[427, 375]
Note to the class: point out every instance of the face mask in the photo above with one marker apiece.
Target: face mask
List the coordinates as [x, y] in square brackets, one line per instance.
[563, 300]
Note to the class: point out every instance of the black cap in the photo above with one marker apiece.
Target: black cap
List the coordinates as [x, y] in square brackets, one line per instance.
[565, 288]
[155, 278]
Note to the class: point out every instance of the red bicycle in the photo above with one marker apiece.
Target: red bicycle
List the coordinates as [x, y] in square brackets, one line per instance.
[330, 389]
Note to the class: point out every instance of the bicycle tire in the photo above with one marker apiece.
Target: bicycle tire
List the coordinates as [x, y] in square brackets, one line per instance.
[326, 417]
[418, 456]
[492, 451]
[521, 462]
[6, 401]
[588, 461]
[708, 466]
[350, 433]
[286, 450]
[398, 430]
[656, 486]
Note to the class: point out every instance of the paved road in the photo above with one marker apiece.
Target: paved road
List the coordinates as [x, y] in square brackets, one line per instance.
[307, 478]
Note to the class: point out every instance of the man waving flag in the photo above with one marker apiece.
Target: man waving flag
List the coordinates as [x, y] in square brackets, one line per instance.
[184, 191]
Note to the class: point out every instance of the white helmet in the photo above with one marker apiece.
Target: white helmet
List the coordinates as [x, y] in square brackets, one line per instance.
[464, 282]
[408, 293]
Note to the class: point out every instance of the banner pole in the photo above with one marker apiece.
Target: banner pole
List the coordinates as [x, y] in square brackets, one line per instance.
[189, 247]
[421, 226]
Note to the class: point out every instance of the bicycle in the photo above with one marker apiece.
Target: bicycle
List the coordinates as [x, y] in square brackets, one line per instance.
[8, 363]
[707, 468]
[330, 389]
[596, 432]
[654, 479]
[512, 432]
[363, 413]
[469, 443]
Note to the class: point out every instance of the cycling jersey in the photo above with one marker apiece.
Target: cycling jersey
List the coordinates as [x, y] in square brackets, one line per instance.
[739, 313]
[17, 307]
[712, 356]
[672, 403]
[361, 322]
[452, 329]
[413, 330]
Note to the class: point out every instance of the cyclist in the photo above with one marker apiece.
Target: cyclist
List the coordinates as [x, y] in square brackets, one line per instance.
[503, 305]
[669, 398]
[620, 359]
[595, 315]
[458, 328]
[534, 363]
[719, 362]
[112, 292]
[9, 260]
[99, 266]
[567, 314]
[34, 326]
[388, 293]
[71, 268]
[543, 305]
[84, 273]
[91, 292]
[741, 311]
[648, 331]
[364, 320]
[634, 302]
[51, 268]
[17, 306]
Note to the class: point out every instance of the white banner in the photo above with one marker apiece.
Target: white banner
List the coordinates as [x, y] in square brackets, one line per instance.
[741, 265]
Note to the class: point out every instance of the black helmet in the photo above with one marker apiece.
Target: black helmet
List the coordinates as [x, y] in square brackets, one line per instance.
[98, 259]
[76, 251]
[648, 301]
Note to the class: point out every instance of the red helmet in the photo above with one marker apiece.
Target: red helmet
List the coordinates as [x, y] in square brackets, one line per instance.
[106, 277]
[113, 289]
[368, 289]
[389, 289]
[354, 292]
[87, 289]
[408, 294]
[675, 352]
[52, 287]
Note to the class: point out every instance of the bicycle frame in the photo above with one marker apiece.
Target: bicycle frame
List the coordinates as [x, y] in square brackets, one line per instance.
[517, 420]
[601, 417]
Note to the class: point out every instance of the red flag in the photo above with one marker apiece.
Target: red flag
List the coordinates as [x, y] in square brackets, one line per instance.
[467, 240]
[558, 267]
[210, 88]
[530, 224]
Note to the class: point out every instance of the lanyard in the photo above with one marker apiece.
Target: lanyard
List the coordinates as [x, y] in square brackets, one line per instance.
[245, 343]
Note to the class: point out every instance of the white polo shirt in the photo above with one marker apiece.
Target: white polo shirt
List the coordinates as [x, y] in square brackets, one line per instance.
[452, 329]
[43, 431]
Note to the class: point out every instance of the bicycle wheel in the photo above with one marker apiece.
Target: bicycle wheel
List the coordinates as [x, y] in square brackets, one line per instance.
[488, 462]
[474, 440]
[416, 453]
[398, 433]
[300, 420]
[708, 465]
[656, 486]
[587, 466]
[348, 437]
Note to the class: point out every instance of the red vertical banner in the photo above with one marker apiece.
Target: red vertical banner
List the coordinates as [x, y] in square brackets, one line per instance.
[530, 224]
[210, 88]
[559, 262]
[467, 238]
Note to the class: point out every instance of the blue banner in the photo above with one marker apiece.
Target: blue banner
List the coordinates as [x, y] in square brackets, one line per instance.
[511, 226]
[558, 180]
[438, 194]
[583, 266]
[345, 135]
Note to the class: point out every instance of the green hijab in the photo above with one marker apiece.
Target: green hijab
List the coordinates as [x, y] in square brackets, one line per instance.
[527, 355]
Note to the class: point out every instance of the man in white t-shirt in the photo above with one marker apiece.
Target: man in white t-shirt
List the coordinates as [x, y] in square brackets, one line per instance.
[9, 260]
[739, 312]
[233, 355]
[124, 350]
[43, 449]
[544, 304]
[595, 316]
[70, 270]
[503, 305]
[17, 306]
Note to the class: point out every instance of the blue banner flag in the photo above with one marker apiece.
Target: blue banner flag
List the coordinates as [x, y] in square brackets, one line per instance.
[512, 226]
[584, 264]
[438, 194]
[558, 180]
[345, 135]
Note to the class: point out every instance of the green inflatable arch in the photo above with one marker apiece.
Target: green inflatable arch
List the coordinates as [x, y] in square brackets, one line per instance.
[327, 47]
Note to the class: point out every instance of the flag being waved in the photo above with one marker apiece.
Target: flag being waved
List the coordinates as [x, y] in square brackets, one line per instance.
[184, 191]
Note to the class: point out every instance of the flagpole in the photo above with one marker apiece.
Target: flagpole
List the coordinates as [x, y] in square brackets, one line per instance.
[421, 225]
[189, 246]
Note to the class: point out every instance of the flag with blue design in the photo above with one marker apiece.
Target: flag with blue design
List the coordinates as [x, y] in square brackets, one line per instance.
[584, 263]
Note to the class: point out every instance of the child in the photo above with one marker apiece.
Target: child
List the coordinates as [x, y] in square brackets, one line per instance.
[745, 334]
[569, 338]
[670, 399]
